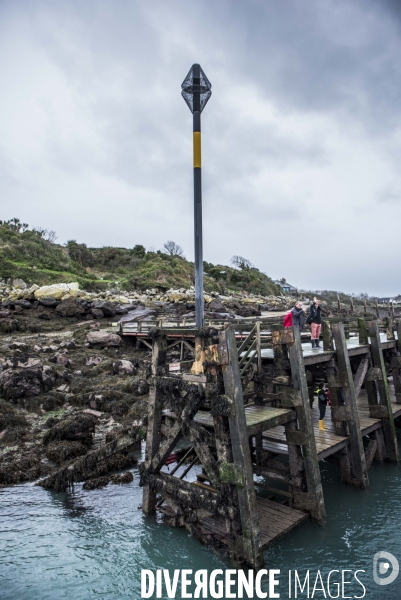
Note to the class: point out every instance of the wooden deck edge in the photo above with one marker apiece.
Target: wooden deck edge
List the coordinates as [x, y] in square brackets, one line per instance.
[265, 505]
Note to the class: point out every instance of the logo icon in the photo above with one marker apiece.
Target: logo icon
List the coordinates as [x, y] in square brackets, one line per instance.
[381, 565]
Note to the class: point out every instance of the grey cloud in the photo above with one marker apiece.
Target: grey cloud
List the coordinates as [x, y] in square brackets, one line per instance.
[389, 194]
[294, 84]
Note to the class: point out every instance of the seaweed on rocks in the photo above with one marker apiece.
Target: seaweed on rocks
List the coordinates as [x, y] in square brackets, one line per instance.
[95, 484]
[100, 482]
[12, 420]
[62, 451]
[83, 467]
[51, 402]
[15, 468]
[6, 408]
[122, 478]
[51, 421]
[76, 428]
[12, 436]
[117, 462]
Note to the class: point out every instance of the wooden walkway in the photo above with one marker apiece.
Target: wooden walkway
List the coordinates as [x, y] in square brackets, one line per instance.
[319, 355]
[258, 418]
[275, 521]
[328, 442]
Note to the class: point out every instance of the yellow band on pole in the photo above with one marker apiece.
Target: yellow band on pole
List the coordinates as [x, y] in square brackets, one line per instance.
[197, 149]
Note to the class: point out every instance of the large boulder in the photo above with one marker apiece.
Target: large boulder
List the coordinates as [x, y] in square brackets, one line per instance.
[103, 338]
[56, 290]
[120, 299]
[217, 306]
[19, 283]
[106, 308]
[70, 308]
[76, 428]
[26, 379]
[124, 367]
[139, 314]
[93, 360]
[48, 301]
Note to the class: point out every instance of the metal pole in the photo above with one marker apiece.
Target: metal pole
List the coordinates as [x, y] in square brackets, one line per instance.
[199, 303]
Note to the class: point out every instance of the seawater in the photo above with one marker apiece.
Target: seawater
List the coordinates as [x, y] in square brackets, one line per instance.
[93, 545]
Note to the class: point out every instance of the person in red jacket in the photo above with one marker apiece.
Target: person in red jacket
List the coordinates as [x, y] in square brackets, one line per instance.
[287, 321]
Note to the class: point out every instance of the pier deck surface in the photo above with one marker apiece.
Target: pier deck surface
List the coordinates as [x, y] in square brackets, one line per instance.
[258, 418]
[275, 520]
[320, 355]
[328, 442]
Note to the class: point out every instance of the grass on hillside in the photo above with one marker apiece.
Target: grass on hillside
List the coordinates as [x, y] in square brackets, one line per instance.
[27, 254]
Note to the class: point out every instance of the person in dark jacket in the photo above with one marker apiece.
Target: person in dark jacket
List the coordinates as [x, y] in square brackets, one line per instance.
[323, 397]
[298, 315]
[315, 321]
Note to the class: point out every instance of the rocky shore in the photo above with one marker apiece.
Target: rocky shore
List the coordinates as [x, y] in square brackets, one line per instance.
[69, 383]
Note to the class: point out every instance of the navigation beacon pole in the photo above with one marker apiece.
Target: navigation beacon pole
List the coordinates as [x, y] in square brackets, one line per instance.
[196, 91]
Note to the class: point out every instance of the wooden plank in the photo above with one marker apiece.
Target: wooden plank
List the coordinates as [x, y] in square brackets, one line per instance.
[258, 418]
[379, 412]
[312, 471]
[399, 335]
[269, 418]
[396, 371]
[389, 329]
[359, 376]
[327, 336]
[155, 408]
[247, 341]
[241, 453]
[276, 520]
[296, 438]
[383, 392]
[342, 413]
[194, 378]
[370, 452]
[258, 347]
[360, 474]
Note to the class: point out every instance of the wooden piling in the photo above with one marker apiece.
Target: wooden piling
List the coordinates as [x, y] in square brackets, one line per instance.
[153, 436]
[312, 499]
[327, 336]
[390, 329]
[349, 412]
[396, 372]
[241, 453]
[363, 332]
[384, 411]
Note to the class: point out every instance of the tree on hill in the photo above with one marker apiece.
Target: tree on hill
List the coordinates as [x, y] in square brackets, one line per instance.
[15, 225]
[173, 249]
[241, 262]
[47, 234]
[139, 251]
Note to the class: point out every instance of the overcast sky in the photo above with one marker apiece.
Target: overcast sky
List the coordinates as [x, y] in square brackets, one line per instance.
[301, 138]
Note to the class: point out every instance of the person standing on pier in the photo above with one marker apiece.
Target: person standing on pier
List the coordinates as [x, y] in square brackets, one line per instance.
[298, 315]
[315, 321]
[323, 397]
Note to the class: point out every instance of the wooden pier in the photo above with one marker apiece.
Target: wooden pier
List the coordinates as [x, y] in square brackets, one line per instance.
[242, 410]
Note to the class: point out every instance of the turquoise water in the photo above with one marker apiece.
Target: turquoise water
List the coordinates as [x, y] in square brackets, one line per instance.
[90, 545]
